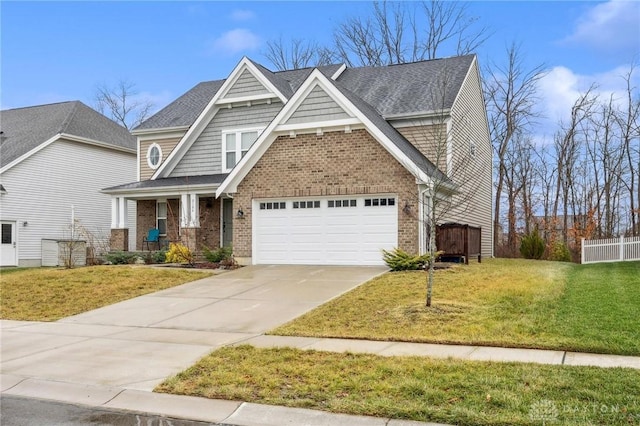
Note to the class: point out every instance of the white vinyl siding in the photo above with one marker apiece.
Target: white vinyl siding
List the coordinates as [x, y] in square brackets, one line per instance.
[204, 157]
[317, 106]
[246, 85]
[42, 189]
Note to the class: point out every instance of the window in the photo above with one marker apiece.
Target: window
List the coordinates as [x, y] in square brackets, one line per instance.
[376, 202]
[154, 156]
[161, 217]
[7, 233]
[235, 145]
[342, 203]
[278, 205]
[306, 204]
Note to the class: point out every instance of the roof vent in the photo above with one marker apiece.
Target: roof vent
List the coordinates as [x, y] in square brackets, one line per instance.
[2, 137]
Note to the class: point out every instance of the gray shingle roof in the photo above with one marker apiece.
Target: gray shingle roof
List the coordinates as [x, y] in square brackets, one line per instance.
[24, 129]
[185, 110]
[180, 181]
[409, 88]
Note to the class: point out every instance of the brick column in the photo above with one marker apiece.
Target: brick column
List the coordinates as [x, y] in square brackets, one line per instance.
[119, 239]
[189, 238]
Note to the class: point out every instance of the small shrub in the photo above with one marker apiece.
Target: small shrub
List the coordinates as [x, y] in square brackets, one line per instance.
[399, 260]
[532, 246]
[217, 256]
[159, 256]
[179, 253]
[121, 257]
[559, 252]
[229, 263]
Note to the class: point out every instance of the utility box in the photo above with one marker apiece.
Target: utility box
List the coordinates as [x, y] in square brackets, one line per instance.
[64, 252]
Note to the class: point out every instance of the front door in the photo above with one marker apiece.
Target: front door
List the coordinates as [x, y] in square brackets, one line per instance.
[8, 250]
[227, 222]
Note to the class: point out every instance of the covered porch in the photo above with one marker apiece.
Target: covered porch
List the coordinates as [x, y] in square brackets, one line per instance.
[182, 209]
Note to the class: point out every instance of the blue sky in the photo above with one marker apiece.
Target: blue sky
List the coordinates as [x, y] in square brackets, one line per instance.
[58, 51]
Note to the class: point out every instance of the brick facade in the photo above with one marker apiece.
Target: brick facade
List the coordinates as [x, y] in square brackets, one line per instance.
[336, 163]
[119, 240]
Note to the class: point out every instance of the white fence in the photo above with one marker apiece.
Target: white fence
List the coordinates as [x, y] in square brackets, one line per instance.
[610, 250]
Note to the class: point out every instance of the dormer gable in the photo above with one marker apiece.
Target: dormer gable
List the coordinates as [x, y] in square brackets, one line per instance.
[247, 83]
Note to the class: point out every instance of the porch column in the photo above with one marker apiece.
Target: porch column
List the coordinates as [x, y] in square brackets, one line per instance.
[119, 230]
[190, 220]
[184, 210]
[194, 211]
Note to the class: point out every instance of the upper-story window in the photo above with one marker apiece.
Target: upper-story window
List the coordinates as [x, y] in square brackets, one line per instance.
[235, 145]
[154, 156]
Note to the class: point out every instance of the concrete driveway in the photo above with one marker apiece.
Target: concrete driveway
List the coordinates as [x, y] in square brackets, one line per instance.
[137, 343]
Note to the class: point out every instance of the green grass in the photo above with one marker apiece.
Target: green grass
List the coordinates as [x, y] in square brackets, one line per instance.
[423, 389]
[500, 302]
[48, 294]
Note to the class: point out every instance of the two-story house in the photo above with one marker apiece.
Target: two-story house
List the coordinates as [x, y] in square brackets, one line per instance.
[324, 165]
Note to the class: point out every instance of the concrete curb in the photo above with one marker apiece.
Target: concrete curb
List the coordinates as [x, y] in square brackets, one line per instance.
[185, 407]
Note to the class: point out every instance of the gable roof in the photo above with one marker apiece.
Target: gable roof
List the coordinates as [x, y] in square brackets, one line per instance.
[414, 161]
[187, 108]
[410, 88]
[26, 129]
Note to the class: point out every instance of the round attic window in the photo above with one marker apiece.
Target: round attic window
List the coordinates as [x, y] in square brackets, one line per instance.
[154, 156]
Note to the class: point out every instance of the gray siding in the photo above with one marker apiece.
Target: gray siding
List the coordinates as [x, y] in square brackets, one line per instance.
[42, 189]
[317, 106]
[474, 205]
[246, 85]
[204, 157]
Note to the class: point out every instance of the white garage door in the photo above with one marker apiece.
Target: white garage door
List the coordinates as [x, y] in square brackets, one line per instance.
[325, 231]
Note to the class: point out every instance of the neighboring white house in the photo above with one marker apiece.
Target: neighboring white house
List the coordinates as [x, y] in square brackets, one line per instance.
[54, 160]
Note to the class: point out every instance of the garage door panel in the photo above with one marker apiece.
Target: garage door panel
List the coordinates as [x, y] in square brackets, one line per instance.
[352, 235]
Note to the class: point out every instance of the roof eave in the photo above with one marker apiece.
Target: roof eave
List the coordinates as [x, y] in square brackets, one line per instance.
[141, 132]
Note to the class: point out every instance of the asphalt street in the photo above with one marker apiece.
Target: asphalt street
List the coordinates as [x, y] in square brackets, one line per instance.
[20, 411]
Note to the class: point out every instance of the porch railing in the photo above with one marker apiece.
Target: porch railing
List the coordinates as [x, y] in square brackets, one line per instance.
[610, 250]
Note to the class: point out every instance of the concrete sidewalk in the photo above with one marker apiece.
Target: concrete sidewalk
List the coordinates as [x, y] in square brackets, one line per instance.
[464, 352]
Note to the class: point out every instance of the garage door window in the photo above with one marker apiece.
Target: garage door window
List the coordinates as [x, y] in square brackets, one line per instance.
[306, 204]
[277, 205]
[378, 202]
[342, 203]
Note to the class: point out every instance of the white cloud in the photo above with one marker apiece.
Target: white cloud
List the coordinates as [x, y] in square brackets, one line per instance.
[612, 25]
[242, 15]
[561, 87]
[234, 41]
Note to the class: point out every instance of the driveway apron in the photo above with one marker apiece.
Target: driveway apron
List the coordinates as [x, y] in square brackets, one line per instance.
[137, 343]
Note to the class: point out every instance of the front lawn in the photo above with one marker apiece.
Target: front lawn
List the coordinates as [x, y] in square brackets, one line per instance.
[423, 389]
[500, 302]
[48, 294]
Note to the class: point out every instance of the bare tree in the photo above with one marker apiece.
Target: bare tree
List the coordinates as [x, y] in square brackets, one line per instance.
[121, 104]
[567, 146]
[629, 123]
[511, 95]
[296, 54]
[396, 33]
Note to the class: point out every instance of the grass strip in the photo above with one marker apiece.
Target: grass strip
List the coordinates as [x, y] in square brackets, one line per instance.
[500, 302]
[416, 388]
[47, 294]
